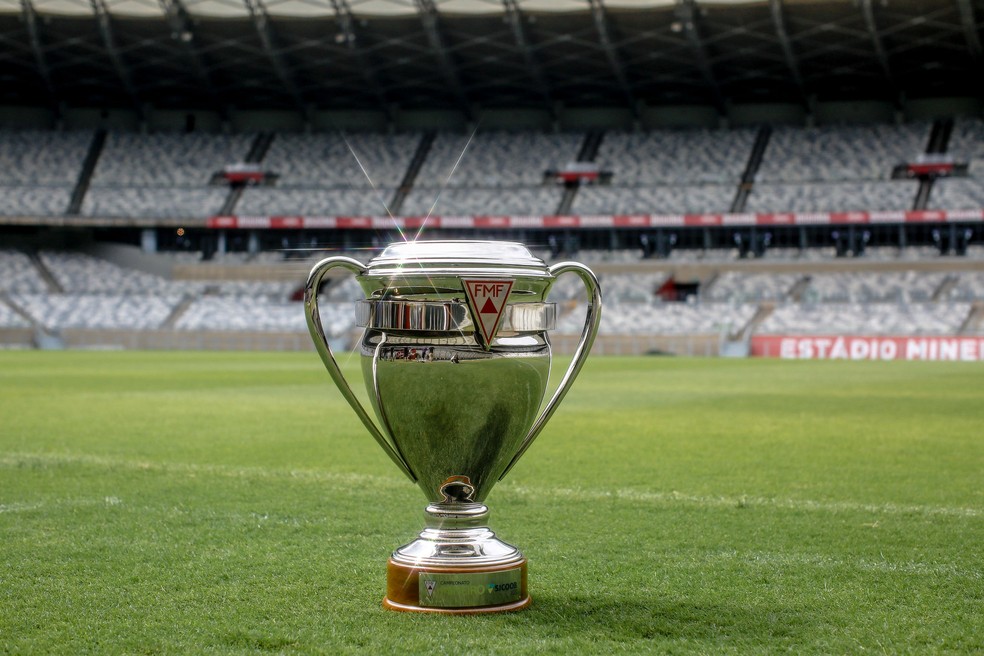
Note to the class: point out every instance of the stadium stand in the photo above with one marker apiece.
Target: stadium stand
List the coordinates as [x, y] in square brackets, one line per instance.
[261, 201]
[495, 159]
[832, 197]
[78, 272]
[165, 203]
[166, 159]
[854, 286]
[867, 318]
[668, 172]
[969, 286]
[38, 170]
[461, 202]
[840, 153]
[162, 175]
[967, 145]
[690, 199]
[958, 193]
[18, 273]
[491, 173]
[329, 161]
[253, 313]
[11, 319]
[675, 157]
[736, 287]
[133, 311]
[664, 318]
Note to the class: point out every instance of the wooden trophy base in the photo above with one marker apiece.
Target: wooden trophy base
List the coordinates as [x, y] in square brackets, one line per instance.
[456, 590]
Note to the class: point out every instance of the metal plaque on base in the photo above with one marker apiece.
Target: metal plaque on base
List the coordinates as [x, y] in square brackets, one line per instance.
[456, 358]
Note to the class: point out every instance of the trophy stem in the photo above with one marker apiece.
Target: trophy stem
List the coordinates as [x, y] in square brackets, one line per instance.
[456, 565]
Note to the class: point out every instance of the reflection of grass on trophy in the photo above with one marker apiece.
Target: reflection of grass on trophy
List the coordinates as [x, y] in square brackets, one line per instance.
[230, 503]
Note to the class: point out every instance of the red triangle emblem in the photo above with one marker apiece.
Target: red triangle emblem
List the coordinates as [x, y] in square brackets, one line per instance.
[487, 299]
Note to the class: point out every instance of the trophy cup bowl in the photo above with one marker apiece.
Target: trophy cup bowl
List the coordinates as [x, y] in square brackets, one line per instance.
[456, 359]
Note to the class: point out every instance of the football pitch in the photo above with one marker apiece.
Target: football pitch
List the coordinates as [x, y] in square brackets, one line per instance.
[189, 502]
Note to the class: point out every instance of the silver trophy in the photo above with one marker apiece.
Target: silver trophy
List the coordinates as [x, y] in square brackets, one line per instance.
[456, 358]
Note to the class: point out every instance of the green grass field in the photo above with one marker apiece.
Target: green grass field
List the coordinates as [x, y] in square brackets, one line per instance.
[231, 503]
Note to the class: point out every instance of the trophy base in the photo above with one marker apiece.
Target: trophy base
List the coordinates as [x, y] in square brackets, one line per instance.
[456, 565]
[455, 590]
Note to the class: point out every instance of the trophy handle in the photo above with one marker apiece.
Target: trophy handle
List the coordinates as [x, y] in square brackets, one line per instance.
[588, 334]
[313, 317]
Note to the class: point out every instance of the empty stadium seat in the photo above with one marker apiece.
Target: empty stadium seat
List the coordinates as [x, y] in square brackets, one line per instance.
[866, 319]
[684, 157]
[832, 197]
[495, 159]
[116, 311]
[839, 152]
[336, 160]
[18, 273]
[687, 199]
[736, 287]
[967, 145]
[362, 201]
[11, 319]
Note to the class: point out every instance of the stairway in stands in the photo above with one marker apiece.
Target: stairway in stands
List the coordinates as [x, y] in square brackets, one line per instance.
[52, 283]
[400, 195]
[751, 168]
[588, 152]
[85, 175]
[939, 139]
[257, 151]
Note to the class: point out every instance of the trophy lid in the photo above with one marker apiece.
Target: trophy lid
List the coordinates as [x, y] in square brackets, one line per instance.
[458, 257]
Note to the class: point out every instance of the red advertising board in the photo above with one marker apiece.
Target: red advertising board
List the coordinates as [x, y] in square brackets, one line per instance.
[869, 347]
[587, 222]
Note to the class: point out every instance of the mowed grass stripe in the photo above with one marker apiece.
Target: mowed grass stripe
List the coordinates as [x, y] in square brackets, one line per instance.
[343, 482]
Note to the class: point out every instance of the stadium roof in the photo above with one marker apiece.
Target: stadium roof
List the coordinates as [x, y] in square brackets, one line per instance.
[469, 54]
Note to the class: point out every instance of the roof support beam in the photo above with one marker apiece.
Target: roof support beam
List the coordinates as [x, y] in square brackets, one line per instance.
[779, 21]
[344, 14]
[106, 31]
[868, 12]
[181, 30]
[34, 33]
[611, 53]
[515, 18]
[969, 22]
[261, 20]
[686, 11]
[429, 16]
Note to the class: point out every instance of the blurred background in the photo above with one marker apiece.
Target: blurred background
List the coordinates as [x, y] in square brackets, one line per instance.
[748, 178]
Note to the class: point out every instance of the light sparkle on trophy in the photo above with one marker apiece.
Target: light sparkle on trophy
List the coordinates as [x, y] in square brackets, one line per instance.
[456, 358]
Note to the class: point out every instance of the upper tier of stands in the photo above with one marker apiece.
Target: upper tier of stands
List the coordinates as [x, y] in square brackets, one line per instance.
[167, 175]
[162, 175]
[685, 157]
[832, 197]
[328, 161]
[39, 169]
[495, 159]
[967, 144]
[166, 159]
[42, 158]
[270, 201]
[840, 153]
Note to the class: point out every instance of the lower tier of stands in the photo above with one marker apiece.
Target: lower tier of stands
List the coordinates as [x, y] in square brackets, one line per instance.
[70, 293]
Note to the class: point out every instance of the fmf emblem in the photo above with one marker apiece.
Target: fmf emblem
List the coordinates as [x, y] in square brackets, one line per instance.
[487, 300]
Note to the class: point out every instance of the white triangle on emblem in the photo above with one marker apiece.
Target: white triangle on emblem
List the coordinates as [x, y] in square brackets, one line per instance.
[487, 300]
